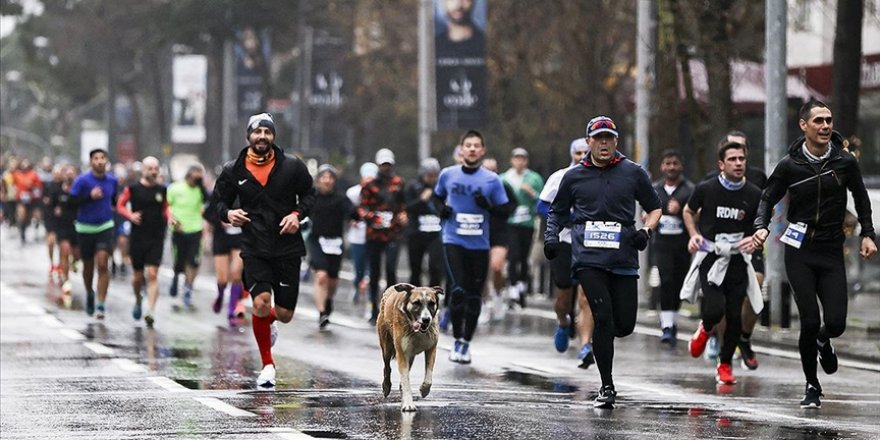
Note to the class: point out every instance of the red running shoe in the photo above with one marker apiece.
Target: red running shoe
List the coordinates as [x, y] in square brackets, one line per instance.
[697, 344]
[725, 374]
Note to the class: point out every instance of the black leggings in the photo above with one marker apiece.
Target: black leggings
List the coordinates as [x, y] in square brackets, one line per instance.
[673, 264]
[518, 260]
[817, 270]
[614, 300]
[419, 245]
[466, 269]
[375, 251]
[724, 301]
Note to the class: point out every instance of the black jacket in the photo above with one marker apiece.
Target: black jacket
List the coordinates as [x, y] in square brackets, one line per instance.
[289, 188]
[817, 192]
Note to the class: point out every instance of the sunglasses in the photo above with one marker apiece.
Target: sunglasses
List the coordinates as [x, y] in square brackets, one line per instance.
[603, 123]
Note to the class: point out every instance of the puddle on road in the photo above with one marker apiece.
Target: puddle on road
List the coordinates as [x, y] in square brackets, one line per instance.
[540, 382]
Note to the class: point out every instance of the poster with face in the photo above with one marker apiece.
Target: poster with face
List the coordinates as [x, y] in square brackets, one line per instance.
[460, 63]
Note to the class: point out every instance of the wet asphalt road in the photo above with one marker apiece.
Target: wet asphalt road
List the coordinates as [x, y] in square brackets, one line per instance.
[64, 375]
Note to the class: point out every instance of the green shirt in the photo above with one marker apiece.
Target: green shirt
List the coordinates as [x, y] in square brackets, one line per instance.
[186, 203]
[527, 204]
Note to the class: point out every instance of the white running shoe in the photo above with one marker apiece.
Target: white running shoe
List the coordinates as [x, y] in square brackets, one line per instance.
[273, 336]
[266, 380]
[500, 309]
[454, 354]
[485, 314]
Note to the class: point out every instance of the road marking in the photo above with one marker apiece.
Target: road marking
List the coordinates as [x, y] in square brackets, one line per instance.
[337, 319]
[98, 348]
[290, 433]
[219, 405]
[541, 369]
[72, 334]
[787, 354]
[168, 384]
[128, 365]
[52, 321]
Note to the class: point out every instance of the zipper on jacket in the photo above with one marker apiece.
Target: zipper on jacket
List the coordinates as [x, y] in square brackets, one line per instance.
[819, 196]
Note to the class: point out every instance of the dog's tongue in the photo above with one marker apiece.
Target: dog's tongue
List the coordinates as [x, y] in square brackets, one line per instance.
[416, 326]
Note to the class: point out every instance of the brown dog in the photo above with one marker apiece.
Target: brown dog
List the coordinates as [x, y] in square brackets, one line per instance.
[407, 326]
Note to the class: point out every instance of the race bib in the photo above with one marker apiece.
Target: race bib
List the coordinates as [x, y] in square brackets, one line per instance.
[232, 230]
[385, 218]
[521, 214]
[670, 225]
[794, 235]
[25, 197]
[429, 223]
[604, 235]
[469, 224]
[331, 245]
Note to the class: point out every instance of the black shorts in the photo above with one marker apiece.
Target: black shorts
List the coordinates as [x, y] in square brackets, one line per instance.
[187, 249]
[223, 243]
[90, 244]
[146, 251]
[318, 260]
[499, 234]
[281, 274]
[66, 231]
[560, 267]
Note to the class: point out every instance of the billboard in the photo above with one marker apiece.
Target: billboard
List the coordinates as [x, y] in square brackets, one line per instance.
[460, 63]
[190, 74]
[252, 49]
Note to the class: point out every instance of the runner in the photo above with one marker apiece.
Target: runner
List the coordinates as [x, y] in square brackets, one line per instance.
[499, 237]
[63, 210]
[560, 269]
[816, 173]
[28, 190]
[670, 245]
[527, 185]
[722, 268]
[275, 193]
[228, 266]
[357, 235]
[93, 192]
[186, 200]
[598, 199]
[51, 187]
[149, 214]
[423, 231]
[325, 246]
[465, 196]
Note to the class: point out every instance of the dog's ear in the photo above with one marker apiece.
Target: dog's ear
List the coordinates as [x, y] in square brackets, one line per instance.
[404, 287]
[438, 290]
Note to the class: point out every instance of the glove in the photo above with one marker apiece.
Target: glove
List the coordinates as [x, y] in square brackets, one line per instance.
[481, 201]
[551, 250]
[641, 238]
[444, 212]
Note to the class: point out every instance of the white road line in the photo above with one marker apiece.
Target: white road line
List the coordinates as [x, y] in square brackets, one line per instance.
[289, 434]
[168, 384]
[98, 348]
[541, 369]
[224, 407]
[52, 322]
[72, 334]
[128, 365]
[337, 319]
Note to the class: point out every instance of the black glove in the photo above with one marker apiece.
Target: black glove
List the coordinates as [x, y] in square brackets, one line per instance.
[444, 212]
[551, 250]
[641, 238]
[481, 200]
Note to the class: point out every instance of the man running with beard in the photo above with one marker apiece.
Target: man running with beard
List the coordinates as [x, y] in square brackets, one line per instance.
[149, 218]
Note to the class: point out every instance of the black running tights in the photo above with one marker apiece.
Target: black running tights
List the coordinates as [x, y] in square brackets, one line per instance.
[466, 270]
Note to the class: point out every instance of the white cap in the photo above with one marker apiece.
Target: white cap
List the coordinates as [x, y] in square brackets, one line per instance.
[384, 156]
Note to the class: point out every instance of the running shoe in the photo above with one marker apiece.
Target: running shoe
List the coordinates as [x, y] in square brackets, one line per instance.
[444, 320]
[90, 303]
[827, 357]
[100, 311]
[606, 397]
[811, 397]
[724, 374]
[454, 354]
[266, 379]
[74, 266]
[712, 348]
[697, 344]
[586, 356]
[218, 303]
[149, 320]
[749, 357]
[560, 339]
[323, 321]
[464, 352]
[187, 300]
[273, 334]
[172, 292]
[136, 311]
[668, 336]
[240, 309]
